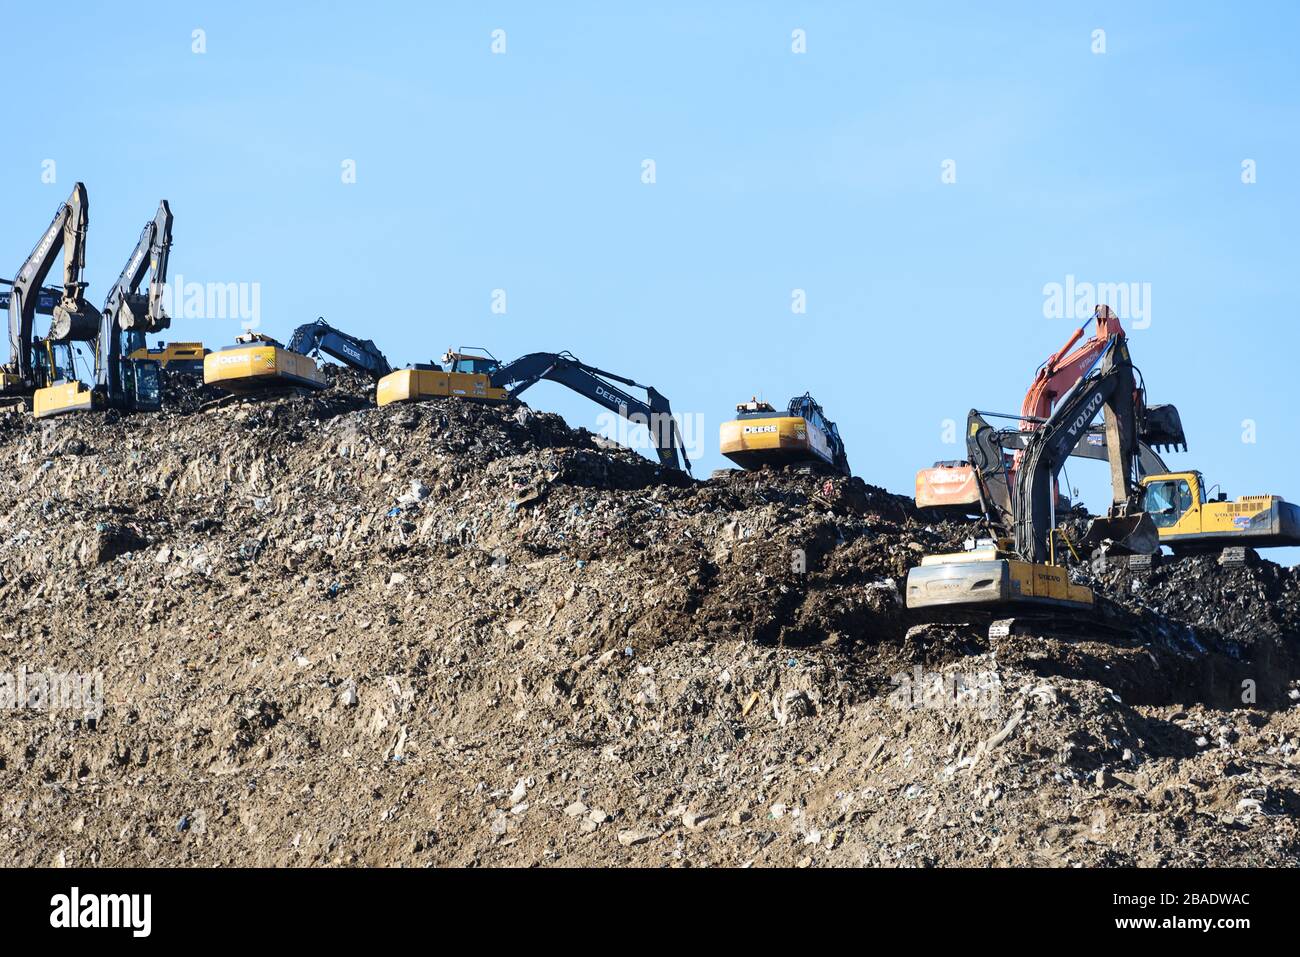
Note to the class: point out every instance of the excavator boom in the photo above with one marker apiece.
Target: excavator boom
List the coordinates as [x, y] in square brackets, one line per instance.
[1111, 388]
[1064, 368]
[655, 412]
[481, 378]
[319, 336]
[73, 319]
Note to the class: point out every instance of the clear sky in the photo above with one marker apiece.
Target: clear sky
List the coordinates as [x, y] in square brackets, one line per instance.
[774, 171]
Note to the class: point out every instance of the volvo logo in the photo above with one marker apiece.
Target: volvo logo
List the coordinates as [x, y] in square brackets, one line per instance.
[1086, 415]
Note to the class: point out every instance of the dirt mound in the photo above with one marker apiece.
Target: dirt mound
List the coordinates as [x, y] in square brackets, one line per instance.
[446, 633]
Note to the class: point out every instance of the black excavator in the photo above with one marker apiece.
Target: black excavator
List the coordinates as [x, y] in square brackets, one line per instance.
[128, 314]
[34, 363]
[482, 378]
[1025, 569]
[258, 362]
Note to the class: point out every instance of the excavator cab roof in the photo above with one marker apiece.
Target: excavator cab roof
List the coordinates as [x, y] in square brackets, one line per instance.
[253, 338]
[478, 361]
[754, 406]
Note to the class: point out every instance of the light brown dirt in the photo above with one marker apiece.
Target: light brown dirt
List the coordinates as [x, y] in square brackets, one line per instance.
[332, 634]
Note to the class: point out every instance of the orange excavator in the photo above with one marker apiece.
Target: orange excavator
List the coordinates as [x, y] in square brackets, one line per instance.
[981, 484]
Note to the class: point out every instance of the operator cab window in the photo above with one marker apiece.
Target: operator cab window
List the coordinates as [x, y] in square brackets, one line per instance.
[473, 365]
[1167, 501]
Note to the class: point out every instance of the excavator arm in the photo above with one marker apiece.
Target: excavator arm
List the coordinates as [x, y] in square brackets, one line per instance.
[655, 412]
[129, 312]
[46, 298]
[74, 319]
[1064, 368]
[987, 447]
[319, 336]
[1111, 387]
[990, 452]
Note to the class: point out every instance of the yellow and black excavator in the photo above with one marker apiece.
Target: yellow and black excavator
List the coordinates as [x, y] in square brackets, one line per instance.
[982, 482]
[759, 437]
[34, 363]
[480, 377]
[256, 362]
[464, 374]
[122, 382]
[1189, 520]
[1026, 571]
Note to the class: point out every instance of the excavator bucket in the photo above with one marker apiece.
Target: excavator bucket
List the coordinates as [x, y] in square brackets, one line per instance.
[1162, 428]
[74, 320]
[1134, 534]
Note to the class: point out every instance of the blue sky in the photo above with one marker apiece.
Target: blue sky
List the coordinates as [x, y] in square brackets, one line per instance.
[775, 171]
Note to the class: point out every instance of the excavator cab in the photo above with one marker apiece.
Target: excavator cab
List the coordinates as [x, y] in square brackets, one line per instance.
[1190, 520]
[52, 362]
[142, 384]
[1167, 500]
[469, 362]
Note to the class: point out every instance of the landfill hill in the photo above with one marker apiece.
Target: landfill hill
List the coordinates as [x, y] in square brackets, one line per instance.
[452, 634]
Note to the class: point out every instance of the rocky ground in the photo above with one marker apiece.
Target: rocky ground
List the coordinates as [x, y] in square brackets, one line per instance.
[447, 634]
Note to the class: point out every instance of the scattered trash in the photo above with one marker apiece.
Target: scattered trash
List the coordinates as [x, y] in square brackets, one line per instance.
[548, 627]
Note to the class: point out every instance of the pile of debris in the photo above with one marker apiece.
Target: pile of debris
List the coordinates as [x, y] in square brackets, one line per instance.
[446, 633]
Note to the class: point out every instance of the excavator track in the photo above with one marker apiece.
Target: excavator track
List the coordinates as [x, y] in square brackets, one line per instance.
[1104, 621]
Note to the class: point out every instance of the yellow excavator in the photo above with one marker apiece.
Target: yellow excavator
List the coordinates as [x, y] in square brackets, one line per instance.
[256, 362]
[1190, 521]
[37, 363]
[759, 437]
[122, 383]
[1026, 571]
[465, 375]
[479, 376]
